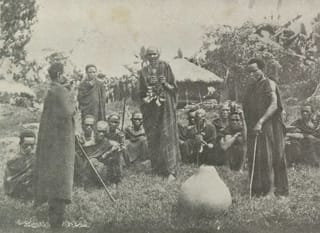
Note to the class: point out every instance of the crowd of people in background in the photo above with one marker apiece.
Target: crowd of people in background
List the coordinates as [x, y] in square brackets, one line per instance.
[118, 88]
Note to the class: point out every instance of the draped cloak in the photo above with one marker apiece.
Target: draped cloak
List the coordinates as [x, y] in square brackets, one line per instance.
[160, 122]
[18, 176]
[270, 163]
[55, 153]
[92, 99]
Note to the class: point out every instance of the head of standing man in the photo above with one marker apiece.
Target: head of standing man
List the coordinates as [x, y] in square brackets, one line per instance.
[255, 68]
[56, 71]
[153, 55]
[91, 71]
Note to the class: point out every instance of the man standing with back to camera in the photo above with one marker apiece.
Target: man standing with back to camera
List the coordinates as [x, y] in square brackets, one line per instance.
[262, 110]
[55, 153]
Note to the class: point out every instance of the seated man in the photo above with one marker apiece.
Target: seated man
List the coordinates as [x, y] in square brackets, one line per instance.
[18, 171]
[302, 140]
[185, 143]
[115, 163]
[232, 142]
[137, 146]
[89, 131]
[202, 138]
[223, 121]
[98, 155]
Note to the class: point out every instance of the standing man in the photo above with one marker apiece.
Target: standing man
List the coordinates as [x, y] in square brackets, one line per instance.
[92, 95]
[55, 151]
[262, 109]
[158, 92]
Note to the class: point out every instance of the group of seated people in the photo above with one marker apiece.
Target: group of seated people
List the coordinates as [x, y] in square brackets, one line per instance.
[221, 141]
[109, 149]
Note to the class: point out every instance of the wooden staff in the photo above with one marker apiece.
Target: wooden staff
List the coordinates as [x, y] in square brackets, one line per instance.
[94, 169]
[253, 163]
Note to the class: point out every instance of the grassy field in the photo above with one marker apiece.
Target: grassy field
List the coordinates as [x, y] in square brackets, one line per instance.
[147, 203]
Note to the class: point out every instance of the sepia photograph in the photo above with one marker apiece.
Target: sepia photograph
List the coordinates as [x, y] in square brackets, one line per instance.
[160, 116]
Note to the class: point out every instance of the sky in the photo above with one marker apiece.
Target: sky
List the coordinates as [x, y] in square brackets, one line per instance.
[109, 32]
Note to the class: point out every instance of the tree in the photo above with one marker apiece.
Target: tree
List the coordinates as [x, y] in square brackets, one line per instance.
[230, 48]
[16, 20]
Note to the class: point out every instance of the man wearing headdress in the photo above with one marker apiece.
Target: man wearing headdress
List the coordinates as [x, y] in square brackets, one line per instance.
[92, 95]
[263, 115]
[54, 168]
[137, 146]
[17, 181]
[158, 93]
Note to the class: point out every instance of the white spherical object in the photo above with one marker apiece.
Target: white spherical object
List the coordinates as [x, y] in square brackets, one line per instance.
[205, 192]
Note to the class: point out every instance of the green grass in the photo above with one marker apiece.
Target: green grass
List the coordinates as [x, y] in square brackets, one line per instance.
[147, 203]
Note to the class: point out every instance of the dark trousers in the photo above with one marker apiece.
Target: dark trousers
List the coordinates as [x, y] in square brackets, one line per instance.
[56, 212]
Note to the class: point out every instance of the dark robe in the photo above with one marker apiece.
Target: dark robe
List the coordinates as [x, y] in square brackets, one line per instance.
[137, 146]
[270, 163]
[92, 99]
[160, 122]
[55, 151]
[17, 180]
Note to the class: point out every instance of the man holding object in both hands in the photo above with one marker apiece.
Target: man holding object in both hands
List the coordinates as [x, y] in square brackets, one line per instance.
[158, 92]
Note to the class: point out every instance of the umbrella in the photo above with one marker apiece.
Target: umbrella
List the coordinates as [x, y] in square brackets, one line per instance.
[184, 70]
